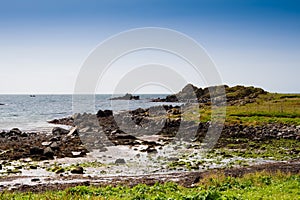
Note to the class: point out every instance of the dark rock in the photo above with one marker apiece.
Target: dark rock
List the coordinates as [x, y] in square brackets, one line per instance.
[105, 113]
[36, 151]
[120, 161]
[76, 170]
[60, 170]
[24, 135]
[126, 97]
[69, 121]
[151, 150]
[15, 131]
[139, 111]
[33, 167]
[19, 167]
[35, 180]
[59, 131]
[13, 138]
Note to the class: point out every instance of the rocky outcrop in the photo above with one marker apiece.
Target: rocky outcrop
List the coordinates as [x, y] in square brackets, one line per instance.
[234, 95]
[126, 97]
[68, 121]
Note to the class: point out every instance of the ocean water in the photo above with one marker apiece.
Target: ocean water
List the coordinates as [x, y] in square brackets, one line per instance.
[32, 113]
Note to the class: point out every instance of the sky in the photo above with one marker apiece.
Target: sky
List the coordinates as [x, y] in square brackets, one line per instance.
[43, 44]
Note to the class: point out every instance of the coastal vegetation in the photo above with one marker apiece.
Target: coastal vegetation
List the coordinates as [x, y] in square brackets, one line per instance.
[263, 109]
[260, 185]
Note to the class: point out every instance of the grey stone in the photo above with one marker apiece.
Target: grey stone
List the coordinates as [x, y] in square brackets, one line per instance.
[120, 161]
[48, 153]
[54, 146]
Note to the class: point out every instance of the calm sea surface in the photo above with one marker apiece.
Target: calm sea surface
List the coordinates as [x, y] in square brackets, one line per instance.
[32, 113]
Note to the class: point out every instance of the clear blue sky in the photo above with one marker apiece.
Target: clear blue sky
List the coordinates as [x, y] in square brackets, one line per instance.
[44, 43]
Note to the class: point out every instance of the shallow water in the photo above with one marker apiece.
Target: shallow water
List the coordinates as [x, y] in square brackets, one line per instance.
[136, 164]
[32, 113]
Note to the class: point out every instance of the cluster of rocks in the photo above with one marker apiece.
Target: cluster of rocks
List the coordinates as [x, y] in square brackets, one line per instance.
[128, 128]
[68, 121]
[126, 97]
[263, 132]
[237, 95]
[252, 133]
[15, 144]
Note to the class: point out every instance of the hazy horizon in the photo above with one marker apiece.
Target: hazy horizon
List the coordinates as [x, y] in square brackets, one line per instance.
[142, 93]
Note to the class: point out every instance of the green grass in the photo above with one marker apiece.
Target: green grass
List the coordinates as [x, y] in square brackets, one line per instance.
[267, 108]
[274, 149]
[215, 186]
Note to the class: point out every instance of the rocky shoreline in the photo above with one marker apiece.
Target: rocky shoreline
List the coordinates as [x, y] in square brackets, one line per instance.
[90, 131]
[149, 134]
[128, 126]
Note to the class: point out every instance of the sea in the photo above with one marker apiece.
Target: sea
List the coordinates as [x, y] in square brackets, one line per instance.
[31, 112]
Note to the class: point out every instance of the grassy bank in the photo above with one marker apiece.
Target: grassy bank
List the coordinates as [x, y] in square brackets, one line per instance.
[266, 108]
[217, 186]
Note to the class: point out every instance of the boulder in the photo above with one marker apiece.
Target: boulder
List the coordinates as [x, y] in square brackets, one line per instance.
[120, 161]
[15, 131]
[36, 151]
[59, 131]
[76, 170]
[54, 146]
[48, 153]
[105, 113]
